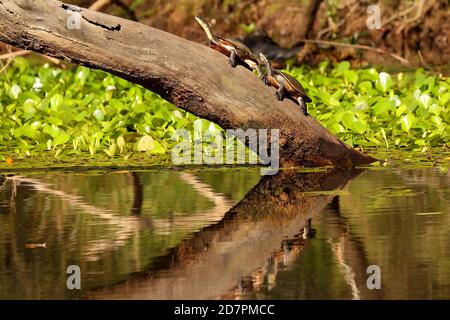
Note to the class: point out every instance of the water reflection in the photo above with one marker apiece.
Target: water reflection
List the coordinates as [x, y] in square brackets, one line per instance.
[225, 234]
[210, 263]
[109, 224]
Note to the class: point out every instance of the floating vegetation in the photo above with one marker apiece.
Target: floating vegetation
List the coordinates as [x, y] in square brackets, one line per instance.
[80, 116]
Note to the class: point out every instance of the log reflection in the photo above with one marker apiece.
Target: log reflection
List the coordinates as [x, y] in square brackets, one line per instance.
[215, 260]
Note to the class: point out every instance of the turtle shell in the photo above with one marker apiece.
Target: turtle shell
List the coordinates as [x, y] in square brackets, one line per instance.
[243, 52]
[240, 46]
[295, 85]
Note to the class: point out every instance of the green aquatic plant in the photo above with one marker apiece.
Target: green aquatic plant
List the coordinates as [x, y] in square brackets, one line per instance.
[78, 113]
[81, 111]
[371, 108]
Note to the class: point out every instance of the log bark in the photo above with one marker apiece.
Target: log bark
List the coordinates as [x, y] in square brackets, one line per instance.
[189, 75]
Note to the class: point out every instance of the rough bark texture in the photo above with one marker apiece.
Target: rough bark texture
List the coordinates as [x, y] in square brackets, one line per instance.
[189, 75]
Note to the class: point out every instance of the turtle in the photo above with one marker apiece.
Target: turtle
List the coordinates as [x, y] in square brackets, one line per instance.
[237, 51]
[286, 84]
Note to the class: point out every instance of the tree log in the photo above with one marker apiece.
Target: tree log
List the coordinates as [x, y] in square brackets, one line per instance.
[189, 75]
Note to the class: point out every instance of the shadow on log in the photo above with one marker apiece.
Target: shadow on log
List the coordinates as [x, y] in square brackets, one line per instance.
[213, 261]
[189, 75]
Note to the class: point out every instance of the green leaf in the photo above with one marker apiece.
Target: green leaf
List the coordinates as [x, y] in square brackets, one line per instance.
[99, 115]
[56, 101]
[121, 143]
[344, 65]
[146, 143]
[383, 105]
[351, 76]
[384, 82]
[112, 150]
[350, 121]
[437, 121]
[444, 99]
[62, 138]
[408, 121]
[425, 101]
[14, 91]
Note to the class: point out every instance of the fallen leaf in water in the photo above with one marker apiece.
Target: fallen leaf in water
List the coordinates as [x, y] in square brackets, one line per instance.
[9, 161]
[36, 245]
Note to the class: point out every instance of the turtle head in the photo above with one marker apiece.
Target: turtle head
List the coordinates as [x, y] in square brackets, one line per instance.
[266, 62]
[202, 21]
[207, 28]
[264, 59]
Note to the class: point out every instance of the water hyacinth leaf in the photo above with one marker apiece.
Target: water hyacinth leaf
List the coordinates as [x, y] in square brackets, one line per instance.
[384, 82]
[14, 91]
[350, 121]
[62, 138]
[435, 109]
[383, 133]
[157, 148]
[328, 99]
[146, 143]
[391, 113]
[383, 105]
[323, 66]
[116, 104]
[99, 115]
[140, 107]
[444, 99]
[342, 66]
[361, 104]
[120, 143]
[58, 152]
[437, 121]
[408, 122]
[425, 101]
[396, 100]
[29, 109]
[365, 86]
[112, 150]
[56, 101]
[351, 76]
[52, 130]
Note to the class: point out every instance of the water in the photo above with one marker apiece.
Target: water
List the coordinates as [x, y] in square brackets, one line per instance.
[223, 233]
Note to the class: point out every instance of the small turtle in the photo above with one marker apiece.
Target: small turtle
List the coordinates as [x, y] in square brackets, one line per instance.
[285, 83]
[234, 49]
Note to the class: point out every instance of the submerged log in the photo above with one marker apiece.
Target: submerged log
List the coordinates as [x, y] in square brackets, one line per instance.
[189, 75]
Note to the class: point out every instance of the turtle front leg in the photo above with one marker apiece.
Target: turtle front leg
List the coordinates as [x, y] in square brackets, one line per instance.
[233, 61]
[303, 106]
[262, 75]
[280, 91]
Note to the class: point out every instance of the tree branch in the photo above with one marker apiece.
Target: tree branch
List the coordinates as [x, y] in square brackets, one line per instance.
[189, 75]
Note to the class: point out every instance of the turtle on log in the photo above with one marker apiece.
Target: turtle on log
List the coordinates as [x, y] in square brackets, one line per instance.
[287, 85]
[237, 52]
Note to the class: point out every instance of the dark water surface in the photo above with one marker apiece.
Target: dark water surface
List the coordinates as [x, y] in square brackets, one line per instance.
[188, 235]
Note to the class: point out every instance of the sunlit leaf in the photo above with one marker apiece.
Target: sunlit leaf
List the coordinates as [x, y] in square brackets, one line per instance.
[146, 143]
[408, 121]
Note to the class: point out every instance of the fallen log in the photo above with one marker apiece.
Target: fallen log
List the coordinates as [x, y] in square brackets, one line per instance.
[189, 75]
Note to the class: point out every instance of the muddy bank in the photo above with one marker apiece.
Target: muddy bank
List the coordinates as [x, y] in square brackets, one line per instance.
[417, 31]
